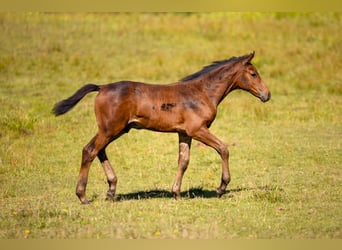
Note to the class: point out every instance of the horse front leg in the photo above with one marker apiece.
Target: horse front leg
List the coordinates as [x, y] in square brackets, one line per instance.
[203, 135]
[183, 161]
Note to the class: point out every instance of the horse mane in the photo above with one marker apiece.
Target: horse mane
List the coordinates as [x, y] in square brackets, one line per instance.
[216, 64]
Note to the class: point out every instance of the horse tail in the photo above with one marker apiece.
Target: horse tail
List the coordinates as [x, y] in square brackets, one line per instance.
[65, 105]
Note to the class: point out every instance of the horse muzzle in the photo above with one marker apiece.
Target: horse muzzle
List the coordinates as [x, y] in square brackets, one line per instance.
[265, 97]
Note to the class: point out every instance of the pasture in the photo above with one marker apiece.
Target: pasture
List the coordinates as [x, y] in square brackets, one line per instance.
[285, 155]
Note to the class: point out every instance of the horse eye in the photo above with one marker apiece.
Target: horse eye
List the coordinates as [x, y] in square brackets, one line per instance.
[253, 74]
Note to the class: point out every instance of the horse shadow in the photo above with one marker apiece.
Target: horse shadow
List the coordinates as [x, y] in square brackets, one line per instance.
[192, 193]
[159, 193]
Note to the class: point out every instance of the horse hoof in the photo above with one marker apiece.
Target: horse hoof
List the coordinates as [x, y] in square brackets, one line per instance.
[176, 196]
[110, 198]
[220, 192]
[85, 202]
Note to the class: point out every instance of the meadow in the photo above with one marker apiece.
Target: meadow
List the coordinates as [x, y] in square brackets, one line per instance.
[285, 155]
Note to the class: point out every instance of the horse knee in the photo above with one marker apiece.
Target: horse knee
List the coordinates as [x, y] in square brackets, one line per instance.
[223, 151]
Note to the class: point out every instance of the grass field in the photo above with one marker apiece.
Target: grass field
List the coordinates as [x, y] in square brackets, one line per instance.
[285, 155]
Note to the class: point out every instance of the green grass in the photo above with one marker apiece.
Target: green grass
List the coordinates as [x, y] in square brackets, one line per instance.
[285, 155]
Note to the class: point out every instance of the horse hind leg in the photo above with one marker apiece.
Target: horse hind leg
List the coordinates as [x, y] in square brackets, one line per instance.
[110, 174]
[90, 151]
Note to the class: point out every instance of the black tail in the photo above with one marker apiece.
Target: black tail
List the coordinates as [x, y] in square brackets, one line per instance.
[65, 105]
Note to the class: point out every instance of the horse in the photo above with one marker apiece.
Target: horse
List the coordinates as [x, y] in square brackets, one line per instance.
[187, 107]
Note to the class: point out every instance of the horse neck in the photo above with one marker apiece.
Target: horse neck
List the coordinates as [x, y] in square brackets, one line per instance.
[218, 85]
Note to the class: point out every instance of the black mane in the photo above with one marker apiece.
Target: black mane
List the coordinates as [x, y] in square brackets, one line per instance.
[211, 67]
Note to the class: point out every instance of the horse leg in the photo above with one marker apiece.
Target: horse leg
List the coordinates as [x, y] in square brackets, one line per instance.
[110, 174]
[183, 161]
[88, 154]
[204, 135]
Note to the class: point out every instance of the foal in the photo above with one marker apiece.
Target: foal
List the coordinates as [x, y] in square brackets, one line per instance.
[187, 107]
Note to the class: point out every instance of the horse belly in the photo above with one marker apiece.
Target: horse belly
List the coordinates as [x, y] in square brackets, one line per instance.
[164, 117]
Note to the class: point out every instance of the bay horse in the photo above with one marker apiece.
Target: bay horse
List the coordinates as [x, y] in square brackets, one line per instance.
[187, 107]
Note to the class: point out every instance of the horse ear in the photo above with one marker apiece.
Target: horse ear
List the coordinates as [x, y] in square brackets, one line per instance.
[249, 58]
